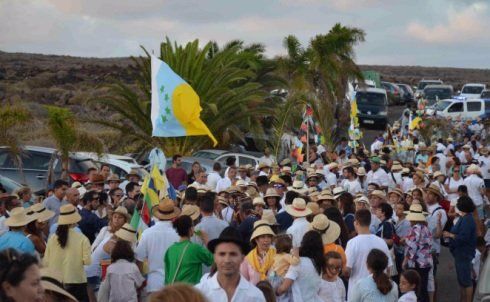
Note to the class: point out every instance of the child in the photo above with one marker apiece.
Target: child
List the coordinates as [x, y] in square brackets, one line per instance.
[409, 284]
[123, 277]
[282, 261]
[332, 288]
[477, 261]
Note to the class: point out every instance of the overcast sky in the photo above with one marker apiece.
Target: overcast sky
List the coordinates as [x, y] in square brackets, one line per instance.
[398, 32]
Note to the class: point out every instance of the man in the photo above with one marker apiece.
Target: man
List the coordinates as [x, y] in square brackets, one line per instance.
[300, 226]
[155, 241]
[214, 176]
[248, 218]
[351, 183]
[268, 159]
[331, 175]
[105, 171]
[201, 181]
[358, 248]
[262, 184]
[15, 238]
[133, 191]
[91, 172]
[132, 176]
[90, 224]
[344, 146]
[476, 189]
[242, 174]
[280, 186]
[377, 175]
[284, 219]
[97, 183]
[228, 181]
[73, 197]
[176, 175]
[53, 202]
[113, 182]
[211, 225]
[227, 284]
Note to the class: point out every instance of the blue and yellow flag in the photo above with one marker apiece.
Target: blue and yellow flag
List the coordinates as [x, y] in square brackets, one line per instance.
[175, 108]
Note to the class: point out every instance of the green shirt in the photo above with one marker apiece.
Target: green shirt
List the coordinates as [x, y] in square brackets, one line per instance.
[192, 260]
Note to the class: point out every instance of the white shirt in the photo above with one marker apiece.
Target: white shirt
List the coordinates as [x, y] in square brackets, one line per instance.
[213, 178]
[397, 181]
[331, 179]
[227, 214]
[407, 183]
[102, 236]
[474, 185]
[377, 145]
[98, 254]
[298, 229]
[306, 285]
[3, 227]
[223, 184]
[245, 291]
[200, 186]
[332, 291]
[485, 166]
[432, 224]
[124, 280]
[408, 297]
[379, 177]
[453, 185]
[353, 187]
[269, 160]
[356, 252]
[153, 245]
[442, 162]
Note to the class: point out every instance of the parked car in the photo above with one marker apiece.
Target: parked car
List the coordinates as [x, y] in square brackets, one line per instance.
[472, 90]
[464, 109]
[485, 94]
[423, 83]
[372, 106]
[187, 162]
[222, 155]
[408, 95]
[393, 92]
[36, 162]
[120, 165]
[433, 93]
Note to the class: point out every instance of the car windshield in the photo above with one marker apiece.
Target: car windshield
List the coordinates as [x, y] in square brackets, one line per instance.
[472, 89]
[441, 105]
[205, 154]
[425, 83]
[9, 185]
[440, 93]
[370, 98]
[485, 94]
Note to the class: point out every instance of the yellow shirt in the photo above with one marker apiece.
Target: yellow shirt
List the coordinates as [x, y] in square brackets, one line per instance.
[71, 259]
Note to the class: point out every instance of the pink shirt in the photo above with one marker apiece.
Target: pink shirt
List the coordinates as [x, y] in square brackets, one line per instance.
[249, 273]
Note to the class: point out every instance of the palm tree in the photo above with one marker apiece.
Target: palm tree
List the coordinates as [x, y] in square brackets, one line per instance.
[66, 133]
[231, 83]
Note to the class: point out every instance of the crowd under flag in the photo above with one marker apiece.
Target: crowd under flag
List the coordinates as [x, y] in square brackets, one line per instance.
[175, 107]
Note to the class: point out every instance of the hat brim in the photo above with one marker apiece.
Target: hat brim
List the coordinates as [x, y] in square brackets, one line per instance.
[297, 213]
[45, 215]
[263, 230]
[415, 216]
[331, 234]
[52, 287]
[132, 174]
[215, 242]
[69, 219]
[11, 222]
[162, 216]
[299, 191]
[438, 193]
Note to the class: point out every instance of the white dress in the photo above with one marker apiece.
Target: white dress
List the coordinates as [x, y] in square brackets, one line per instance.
[307, 281]
[332, 291]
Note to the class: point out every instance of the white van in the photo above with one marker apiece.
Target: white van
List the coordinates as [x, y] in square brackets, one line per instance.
[464, 109]
[472, 90]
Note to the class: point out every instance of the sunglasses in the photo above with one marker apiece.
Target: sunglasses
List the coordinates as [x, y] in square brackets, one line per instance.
[278, 186]
[119, 195]
[334, 267]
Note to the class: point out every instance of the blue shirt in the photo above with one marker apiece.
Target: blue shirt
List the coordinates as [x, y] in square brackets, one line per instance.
[52, 203]
[285, 220]
[16, 240]
[464, 244]
[365, 290]
[90, 224]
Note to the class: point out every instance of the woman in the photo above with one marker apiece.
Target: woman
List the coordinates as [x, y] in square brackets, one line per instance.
[452, 184]
[116, 195]
[462, 245]
[25, 196]
[256, 265]
[347, 208]
[378, 286]
[402, 227]
[37, 229]
[68, 251]
[330, 232]
[334, 215]
[20, 278]
[184, 259]
[118, 218]
[191, 177]
[305, 278]
[385, 229]
[418, 245]
[418, 180]
[272, 200]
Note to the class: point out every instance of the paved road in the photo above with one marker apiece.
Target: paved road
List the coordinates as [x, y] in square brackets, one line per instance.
[394, 113]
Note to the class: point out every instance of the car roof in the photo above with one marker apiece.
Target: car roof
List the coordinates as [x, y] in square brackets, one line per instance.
[438, 86]
[76, 155]
[475, 84]
[215, 151]
[369, 89]
[426, 80]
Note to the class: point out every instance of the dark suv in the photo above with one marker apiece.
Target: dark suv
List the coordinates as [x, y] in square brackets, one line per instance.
[36, 163]
[372, 107]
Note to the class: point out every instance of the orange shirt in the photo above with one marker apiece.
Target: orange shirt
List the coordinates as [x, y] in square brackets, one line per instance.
[332, 247]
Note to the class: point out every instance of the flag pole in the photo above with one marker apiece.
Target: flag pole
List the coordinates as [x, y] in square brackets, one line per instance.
[307, 138]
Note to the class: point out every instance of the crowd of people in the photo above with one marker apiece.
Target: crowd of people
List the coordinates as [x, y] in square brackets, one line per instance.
[348, 225]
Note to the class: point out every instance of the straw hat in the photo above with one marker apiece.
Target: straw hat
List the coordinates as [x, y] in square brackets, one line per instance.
[18, 217]
[98, 180]
[353, 162]
[191, 210]
[416, 213]
[396, 191]
[314, 207]
[165, 210]
[320, 173]
[467, 147]
[76, 185]
[325, 196]
[261, 227]
[433, 188]
[474, 169]
[311, 175]
[329, 230]
[437, 174]
[43, 214]
[242, 168]
[331, 166]
[122, 211]
[268, 215]
[223, 201]
[258, 201]
[127, 233]
[363, 199]
[285, 161]
[133, 172]
[298, 187]
[405, 171]
[53, 281]
[286, 169]
[271, 193]
[232, 189]
[378, 193]
[337, 191]
[298, 208]
[68, 215]
[396, 168]
[484, 151]
[314, 195]
[241, 183]
[113, 177]
[252, 184]
[361, 171]
[263, 165]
